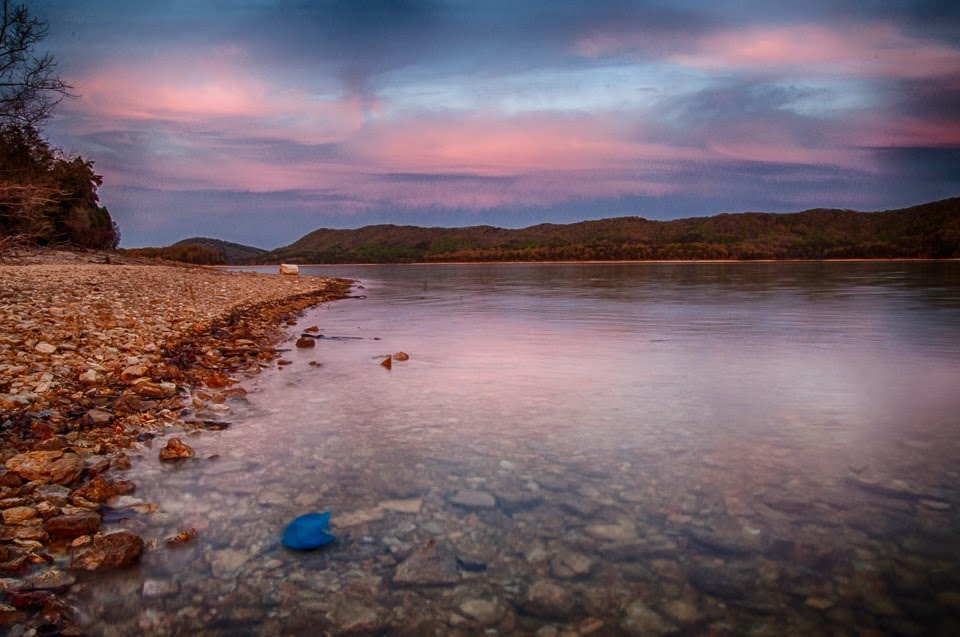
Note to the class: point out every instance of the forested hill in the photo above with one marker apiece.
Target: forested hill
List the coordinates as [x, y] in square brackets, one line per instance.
[929, 230]
[202, 251]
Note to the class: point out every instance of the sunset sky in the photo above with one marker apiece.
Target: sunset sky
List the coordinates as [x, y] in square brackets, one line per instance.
[257, 121]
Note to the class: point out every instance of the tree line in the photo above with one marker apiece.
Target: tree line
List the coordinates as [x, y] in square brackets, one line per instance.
[47, 196]
[930, 231]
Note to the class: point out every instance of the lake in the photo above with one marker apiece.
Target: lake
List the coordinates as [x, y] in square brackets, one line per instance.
[574, 449]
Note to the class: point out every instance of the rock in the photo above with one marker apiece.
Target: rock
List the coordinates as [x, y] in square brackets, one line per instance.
[950, 599]
[45, 348]
[641, 620]
[289, 269]
[611, 532]
[569, 565]
[133, 372]
[226, 563]
[50, 579]
[96, 464]
[73, 525]
[547, 600]
[820, 603]
[306, 341]
[935, 505]
[430, 565]
[16, 515]
[55, 494]
[725, 582]
[160, 587]
[682, 611]
[114, 550]
[97, 490]
[89, 377]
[99, 417]
[727, 537]
[28, 532]
[149, 389]
[356, 518]
[182, 538]
[516, 501]
[401, 356]
[483, 612]
[175, 450]
[411, 505]
[474, 500]
[356, 618]
[387, 362]
[57, 467]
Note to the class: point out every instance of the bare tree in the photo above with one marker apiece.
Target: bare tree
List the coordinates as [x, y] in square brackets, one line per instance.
[30, 87]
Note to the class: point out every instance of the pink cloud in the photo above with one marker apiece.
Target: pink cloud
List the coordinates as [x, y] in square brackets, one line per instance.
[871, 50]
[490, 145]
[205, 92]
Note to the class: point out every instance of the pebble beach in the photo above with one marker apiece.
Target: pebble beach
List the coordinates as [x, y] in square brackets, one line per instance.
[97, 351]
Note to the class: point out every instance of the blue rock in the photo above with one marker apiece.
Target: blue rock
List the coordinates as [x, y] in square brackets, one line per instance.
[310, 531]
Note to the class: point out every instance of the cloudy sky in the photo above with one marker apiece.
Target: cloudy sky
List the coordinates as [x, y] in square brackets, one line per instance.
[258, 121]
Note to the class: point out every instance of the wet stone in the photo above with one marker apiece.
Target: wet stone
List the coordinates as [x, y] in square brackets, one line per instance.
[547, 600]
[99, 417]
[474, 500]
[73, 525]
[411, 505]
[432, 564]
[16, 515]
[725, 581]
[482, 611]
[611, 532]
[50, 579]
[114, 550]
[642, 621]
[359, 619]
[160, 587]
[682, 611]
[517, 501]
[58, 467]
[175, 450]
[570, 565]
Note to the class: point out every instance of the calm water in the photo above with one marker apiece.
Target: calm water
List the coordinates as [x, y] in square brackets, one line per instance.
[618, 449]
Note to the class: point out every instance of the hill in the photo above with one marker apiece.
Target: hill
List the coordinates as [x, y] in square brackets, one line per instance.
[201, 251]
[930, 230]
[232, 253]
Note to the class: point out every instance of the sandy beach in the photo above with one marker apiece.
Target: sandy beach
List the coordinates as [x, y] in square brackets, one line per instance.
[95, 352]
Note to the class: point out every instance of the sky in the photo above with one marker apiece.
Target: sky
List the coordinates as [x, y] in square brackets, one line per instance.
[258, 121]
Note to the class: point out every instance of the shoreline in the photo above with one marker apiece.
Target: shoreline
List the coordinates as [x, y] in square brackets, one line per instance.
[93, 357]
[602, 262]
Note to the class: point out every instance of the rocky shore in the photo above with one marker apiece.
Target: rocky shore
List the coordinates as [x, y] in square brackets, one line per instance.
[95, 352]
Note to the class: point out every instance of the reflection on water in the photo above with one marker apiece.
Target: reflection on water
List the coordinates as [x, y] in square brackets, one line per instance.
[608, 449]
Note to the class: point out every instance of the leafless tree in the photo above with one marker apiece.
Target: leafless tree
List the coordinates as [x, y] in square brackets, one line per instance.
[30, 87]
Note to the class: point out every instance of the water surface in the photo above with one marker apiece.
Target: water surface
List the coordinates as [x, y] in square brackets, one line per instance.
[762, 448]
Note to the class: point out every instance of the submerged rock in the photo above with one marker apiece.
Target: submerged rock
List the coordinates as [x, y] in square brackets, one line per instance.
[641, 620]
[484, 612]
[547, 600]
[431, 565]
[474, 500]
